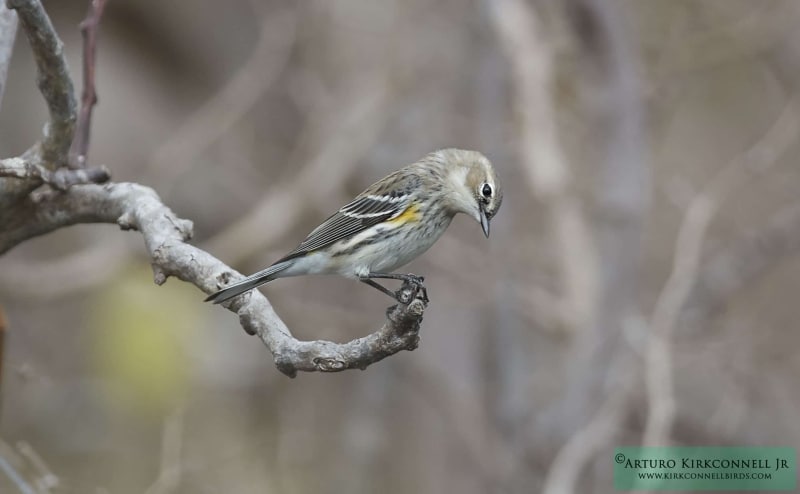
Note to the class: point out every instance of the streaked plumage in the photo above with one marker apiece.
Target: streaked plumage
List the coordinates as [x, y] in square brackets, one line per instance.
[393, 221]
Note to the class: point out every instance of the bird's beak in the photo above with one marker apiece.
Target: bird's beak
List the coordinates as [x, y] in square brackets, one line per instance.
[484, 221]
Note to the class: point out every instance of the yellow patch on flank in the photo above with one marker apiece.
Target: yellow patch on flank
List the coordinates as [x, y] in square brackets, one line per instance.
[410, 214]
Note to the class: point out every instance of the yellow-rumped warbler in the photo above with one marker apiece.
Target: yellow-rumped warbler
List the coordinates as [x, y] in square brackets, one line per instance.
[396, 219]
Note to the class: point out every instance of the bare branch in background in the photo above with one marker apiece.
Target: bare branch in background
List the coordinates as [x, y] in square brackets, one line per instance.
[735, 266]
[611, 93]
[8, 33]
[25, 469]
[572, 458]
[13, 467]
[45, 479]
[53, 79]
[351, 133]
[686, 262]
[80, 144]
[546, 167]
[229, 105]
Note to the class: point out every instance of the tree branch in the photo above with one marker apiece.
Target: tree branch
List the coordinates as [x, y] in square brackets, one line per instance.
[53, 79]
[62, 178]
[56, 87]
[135, 207]
[8, 33]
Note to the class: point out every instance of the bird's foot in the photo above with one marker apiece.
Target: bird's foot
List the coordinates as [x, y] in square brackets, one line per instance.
[412, 288]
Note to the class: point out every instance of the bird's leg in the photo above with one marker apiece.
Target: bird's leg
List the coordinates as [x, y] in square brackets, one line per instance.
[378, 286]
[410, 280]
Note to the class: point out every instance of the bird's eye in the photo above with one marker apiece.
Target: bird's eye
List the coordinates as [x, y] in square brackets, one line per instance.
[486, 190]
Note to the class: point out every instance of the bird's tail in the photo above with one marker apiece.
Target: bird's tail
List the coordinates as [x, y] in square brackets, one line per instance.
[248, 283]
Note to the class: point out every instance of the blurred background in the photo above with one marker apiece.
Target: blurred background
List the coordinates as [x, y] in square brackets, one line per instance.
[640, 285]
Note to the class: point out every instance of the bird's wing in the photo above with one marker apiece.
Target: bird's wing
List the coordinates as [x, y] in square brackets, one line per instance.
[382, 201]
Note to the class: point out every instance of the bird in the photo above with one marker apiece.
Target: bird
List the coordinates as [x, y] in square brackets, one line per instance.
[390, 223]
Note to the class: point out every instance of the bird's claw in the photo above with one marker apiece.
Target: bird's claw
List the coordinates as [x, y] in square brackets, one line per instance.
[424, 294]
[412, 288]
[415, 279]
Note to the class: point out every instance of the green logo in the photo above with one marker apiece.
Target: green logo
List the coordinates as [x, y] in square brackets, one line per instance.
[705, 469]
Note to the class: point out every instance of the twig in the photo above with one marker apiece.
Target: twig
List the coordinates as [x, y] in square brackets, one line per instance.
[60, 179]
[21, 484]
[16, 469]
[53, 79]
[133, 206]
[686, 261]
[80, 143]
[46, 479]
[8, 33]
[44, 163]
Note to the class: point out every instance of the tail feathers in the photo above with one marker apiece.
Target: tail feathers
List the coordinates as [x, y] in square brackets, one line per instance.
[248, 283]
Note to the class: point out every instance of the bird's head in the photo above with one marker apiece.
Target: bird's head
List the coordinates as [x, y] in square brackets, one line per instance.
[475, 190]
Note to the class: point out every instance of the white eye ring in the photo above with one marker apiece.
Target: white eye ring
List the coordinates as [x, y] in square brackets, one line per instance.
[486, 190]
